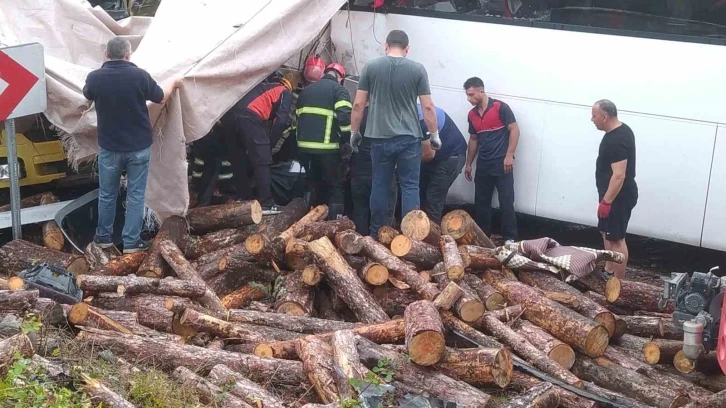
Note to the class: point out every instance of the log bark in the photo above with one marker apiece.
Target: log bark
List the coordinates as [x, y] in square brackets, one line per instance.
[452, 258]
[209, 392]
[535, 355]
[126, 264]
[348, 242]
[173, 228]
[317, 230]
[346, 283]
[245, 295]
[544, 395]
[469, 308]
[132, 284]
[377, 252]
[423, 255]
[417, 225]
[479, 258]
[95, 256]
[507, 314]
[197, 246]
[605, 373]
[83, 315]
[293, 296]
[260, 243]
[100, 393]
[383, 333]
[149, 309]
[347, 360]
[433, 381]
[27, 202]
[10, 347]
[424, 333]
[706, 363]
[635, 295]
[214, 263]
[234, 215]
[386, 234]
[374, 274]
[478, 366]
[593, 282]
[311, 275]
[651, 326]
[297, 255]
[130, 321]
[464, 230]
[184, 270]
[556, 350]
[50, 312]
[713, 401]
[655, 351]
[574, 329]
[3, 284]
[317, 358]
[52, 235]
[460, 328]
[18, 255]
[242, 387]
[300, 324]
[600, 300]
[615, 397]
[315, 214]
[448, 296]
[621, 328]
[168, 355]
[568, 399]
[489, 296]
[234, 332]
[239, 276]
[394, 301]
[584, 306]
[16, 301]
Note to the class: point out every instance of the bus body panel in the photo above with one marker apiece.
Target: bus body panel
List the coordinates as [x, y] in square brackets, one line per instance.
[550, 78]
[714, 226]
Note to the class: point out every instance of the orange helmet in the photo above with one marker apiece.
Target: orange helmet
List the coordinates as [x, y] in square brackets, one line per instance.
[337, 68]
[314, 67]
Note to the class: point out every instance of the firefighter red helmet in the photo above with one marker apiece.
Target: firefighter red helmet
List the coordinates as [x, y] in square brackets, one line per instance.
[314, 67]
[337, 68]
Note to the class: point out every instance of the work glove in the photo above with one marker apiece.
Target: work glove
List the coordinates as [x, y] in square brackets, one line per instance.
[603, 210]
[435, 140]
[355, 139]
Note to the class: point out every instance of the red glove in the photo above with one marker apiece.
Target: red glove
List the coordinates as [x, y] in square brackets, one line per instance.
[377, 3]
[603, 210]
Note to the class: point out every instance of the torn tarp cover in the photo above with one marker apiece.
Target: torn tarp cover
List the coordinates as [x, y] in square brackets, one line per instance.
[223, 49]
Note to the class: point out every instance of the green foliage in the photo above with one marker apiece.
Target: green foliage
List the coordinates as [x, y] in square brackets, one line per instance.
[384, 371]
[31, 324]
[154, 389]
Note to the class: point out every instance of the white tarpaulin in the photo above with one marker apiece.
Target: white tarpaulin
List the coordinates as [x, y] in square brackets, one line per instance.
[222, 47]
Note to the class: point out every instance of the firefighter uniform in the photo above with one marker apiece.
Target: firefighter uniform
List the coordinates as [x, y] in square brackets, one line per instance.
[211, 168]
[247, 138]
[323, 126]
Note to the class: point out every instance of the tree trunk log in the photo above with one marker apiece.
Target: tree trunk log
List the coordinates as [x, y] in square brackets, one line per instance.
[297, 255]
[507, 314]
[100, 393]
[214, 263]
[20, 344]
[621, 328]
[234, 215]
[242, 387]
[383, 333]
[242, 274]
[423, 255]
[260, 244]
[424, 333]
[132, 284]
[149, 309]
[208, 392]
[478, 366]
[346, 283]
[16, 301]
[568, 326]
[173, 228]
[489, 296]
[478, 258]
[556, 350]
[593, 282]
[346, 358]
[52, 235]
[568, 399]
[605, 373]
[126, 264]
[279, 242]
[585, 306]
[386, 234]
[448, 296]
[713, 401]
[167, 355]
[234, 332]
[377, 252]
[600, 300]
[293, 296]
[3, 284]
[317, 358]
[198, 246]
[349, 242]
[245, 295]
[635, 295]
[615, 397]
[433, 381]
[706, 363]
[651, 326]
[417, 226]
[18, 255]
[464, 230]
[95, 256]
[452, 258]
[300, 324]
[544, 395]
[374, 274]
[83, 315]
[651, 351]
[311, 275]
[317, 230]
[459, 327]
[184, 270]
[469, 308]
[394, 301]
[27, 202]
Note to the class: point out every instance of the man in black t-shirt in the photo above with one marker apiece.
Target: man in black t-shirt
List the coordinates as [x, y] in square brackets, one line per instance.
[615, 180]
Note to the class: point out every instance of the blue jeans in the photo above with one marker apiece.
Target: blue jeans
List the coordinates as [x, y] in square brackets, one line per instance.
[402, 154]
[110, 166]
[491, 175]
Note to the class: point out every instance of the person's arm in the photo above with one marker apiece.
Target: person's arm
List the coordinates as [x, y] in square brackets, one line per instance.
[616, 180]
[471, 150]
[429, 113]
[282, 117]
[617, 156]
[343, 110]
[88, 89]
[427, 152]
[513, 141]
[356, 115]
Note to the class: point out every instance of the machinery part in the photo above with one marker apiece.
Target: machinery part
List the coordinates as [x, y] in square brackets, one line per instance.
[692, 339]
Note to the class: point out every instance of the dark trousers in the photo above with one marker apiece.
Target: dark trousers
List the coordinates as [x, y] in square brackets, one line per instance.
[490, 176]
[324, 180]
[436, 179]
[249, 146]
[360, 189]
[211, 168]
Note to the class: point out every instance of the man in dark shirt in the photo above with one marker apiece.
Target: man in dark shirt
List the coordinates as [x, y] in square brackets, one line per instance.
[119, 91]
[439, 169]
[615, 181]
[493, 136]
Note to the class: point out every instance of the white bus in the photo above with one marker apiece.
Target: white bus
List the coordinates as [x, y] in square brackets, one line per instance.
[662, 63]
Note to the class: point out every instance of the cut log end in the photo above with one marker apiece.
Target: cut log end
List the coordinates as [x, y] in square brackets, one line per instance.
[256, 211]
[454, 224]
[263, 350]
[291, 308]
[563, 355]
[376, 274]
[401, 245]
[612, 289]
[16, 283]
[312, 275]
[426, 348]
[495, 302]
[682, 363]
[78, 313]
[502, 368]
[455, 273]
[651, 353]
[255, 243]
[472, 310]
[416, 225]
[597, 341]
[607, 319]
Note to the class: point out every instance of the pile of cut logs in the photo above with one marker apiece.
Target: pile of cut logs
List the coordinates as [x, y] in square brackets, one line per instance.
[236, 304]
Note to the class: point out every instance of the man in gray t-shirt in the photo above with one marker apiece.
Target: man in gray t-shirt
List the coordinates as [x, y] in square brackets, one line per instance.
[392, 84]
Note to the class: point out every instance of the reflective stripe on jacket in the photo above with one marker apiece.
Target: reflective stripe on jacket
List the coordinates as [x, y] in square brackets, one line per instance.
[323, 116]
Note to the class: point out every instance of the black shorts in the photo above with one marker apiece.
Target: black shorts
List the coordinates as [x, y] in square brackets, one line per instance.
[616, 224]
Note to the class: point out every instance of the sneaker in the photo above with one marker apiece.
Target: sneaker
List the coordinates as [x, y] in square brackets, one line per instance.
[606, 275]
[140, 246]
[271, 209]
[103, 243]
[509, 242]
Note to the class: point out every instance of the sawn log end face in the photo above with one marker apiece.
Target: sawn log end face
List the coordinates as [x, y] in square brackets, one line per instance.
[416, 225]
[597, 341]
[455, 223]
